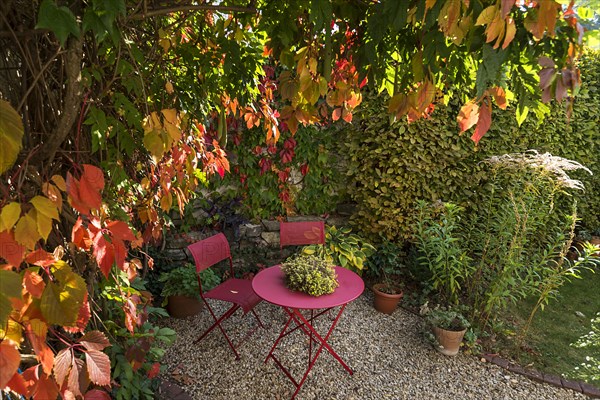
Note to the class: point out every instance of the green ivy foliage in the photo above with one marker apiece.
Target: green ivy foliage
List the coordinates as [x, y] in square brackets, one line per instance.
[394, 164]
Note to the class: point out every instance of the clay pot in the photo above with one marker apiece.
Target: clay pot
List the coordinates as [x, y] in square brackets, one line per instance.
[383, 302]
[448, 341]
[183, 306]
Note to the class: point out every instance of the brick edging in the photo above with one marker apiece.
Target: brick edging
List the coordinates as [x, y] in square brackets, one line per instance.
[555, 380]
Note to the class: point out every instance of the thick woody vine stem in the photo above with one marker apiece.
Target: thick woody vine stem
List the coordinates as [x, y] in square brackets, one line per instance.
[72, 102]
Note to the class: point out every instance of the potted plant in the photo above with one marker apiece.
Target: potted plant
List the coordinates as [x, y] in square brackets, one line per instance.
[448, 326]
[385, 267]
[310, 274]
[343, 248]
[180, 291]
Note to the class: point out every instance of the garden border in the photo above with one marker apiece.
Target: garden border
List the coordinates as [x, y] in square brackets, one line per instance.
[555, 380]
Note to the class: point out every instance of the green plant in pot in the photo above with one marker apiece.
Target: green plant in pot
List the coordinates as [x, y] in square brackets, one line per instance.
[309, 274]
[343, 248]
[385, 267]
[180, 291]
[448, 327]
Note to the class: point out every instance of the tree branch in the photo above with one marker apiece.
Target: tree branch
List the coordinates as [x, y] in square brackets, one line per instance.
[73, 98]
[192, 7]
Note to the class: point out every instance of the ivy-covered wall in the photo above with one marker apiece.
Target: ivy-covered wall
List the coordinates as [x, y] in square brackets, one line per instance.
[391, 165]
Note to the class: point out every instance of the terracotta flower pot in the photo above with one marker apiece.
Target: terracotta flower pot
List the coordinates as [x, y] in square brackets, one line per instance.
[183, 306]
[385, 303]
[449, 341]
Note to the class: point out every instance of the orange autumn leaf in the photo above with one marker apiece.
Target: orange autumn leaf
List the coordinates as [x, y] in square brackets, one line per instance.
[36, 331]
[499, 96]
[85, 192]
[468, 115]
[34, 283]
[10, 250]
[9, 362]
[483, 122]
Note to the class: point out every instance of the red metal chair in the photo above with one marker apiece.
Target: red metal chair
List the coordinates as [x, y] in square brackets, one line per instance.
[239, 292]
[301, 233]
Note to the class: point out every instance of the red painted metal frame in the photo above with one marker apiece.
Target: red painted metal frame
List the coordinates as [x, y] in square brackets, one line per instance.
[305, 325]
[239, 292]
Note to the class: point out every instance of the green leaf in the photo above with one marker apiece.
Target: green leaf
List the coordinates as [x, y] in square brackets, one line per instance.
[10, 286]
[11, 135]
[60, 20]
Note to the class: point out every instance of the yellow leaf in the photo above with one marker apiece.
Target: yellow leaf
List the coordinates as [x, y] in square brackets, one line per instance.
[13, 332]
[9, 216]
[26, 231]
[154, 144]
[487, 15]
[166, 202]
[11, 135]
[45, 207]
[59, 181]
[312, 65]
[53, 194]
[171, 123]
[511, 30]
[62, 299]
[169, 87]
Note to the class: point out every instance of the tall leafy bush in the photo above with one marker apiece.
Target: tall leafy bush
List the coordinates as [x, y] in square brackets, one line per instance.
[393, 164]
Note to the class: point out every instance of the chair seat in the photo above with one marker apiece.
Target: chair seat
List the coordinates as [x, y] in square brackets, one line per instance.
[237, 291]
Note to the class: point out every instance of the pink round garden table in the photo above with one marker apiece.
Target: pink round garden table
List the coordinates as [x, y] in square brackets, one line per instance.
[269, 285]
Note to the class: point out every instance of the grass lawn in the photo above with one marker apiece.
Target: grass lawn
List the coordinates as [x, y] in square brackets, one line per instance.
[547, 346]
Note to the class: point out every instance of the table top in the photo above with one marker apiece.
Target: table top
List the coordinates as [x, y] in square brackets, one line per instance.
[269, 285]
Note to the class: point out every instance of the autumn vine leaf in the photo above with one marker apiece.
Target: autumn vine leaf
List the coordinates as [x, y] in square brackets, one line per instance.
[85, 193]
[11, 135]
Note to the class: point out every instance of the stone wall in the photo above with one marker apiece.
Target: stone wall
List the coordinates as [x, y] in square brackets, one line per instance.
[263, 236]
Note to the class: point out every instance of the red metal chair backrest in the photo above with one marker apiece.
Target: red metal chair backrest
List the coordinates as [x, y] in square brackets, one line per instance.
[209, 251]
[300, 233]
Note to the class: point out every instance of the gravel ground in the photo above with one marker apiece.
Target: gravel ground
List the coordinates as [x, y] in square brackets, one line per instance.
[389, 356]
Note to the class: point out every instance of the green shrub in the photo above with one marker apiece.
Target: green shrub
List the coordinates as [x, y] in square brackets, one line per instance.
[391, 165]
[589, 370]
[309, 274]
[182, 281]
[343, 248]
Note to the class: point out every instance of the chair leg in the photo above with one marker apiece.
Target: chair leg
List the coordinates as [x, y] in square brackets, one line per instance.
[258, 319]
[217, 323]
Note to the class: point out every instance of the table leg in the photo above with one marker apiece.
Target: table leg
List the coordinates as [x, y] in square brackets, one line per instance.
[281, 335]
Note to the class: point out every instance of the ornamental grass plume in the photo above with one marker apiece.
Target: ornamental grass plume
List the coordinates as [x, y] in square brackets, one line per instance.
[546, 163]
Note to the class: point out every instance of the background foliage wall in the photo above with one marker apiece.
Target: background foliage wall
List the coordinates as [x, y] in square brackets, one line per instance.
[391, 165]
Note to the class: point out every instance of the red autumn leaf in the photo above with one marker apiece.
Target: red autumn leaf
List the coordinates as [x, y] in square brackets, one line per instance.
[94, 340]
[304, 169]
[41, 258]
[484, 121]
[85, 193]
[62, 365]
[18, 384]
[9, 362]
[34, 283]
[499, 96]
[337, 113]
[154, 370]
[120, 230]
[82, 318]
[506, 7]
[104, 253]
[120, 251]
[80, 236]
[45, 388]
[98, 367]
[347, 115]
[36, 331]
[468, 115]
[97, 394]
[78, 380]
[547, 76]
[10, 250]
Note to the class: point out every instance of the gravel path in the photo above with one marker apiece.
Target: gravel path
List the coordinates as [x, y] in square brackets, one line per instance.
[389, 356]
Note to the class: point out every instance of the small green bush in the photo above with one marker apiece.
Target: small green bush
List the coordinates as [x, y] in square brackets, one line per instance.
[309, 274]
[182, 281]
